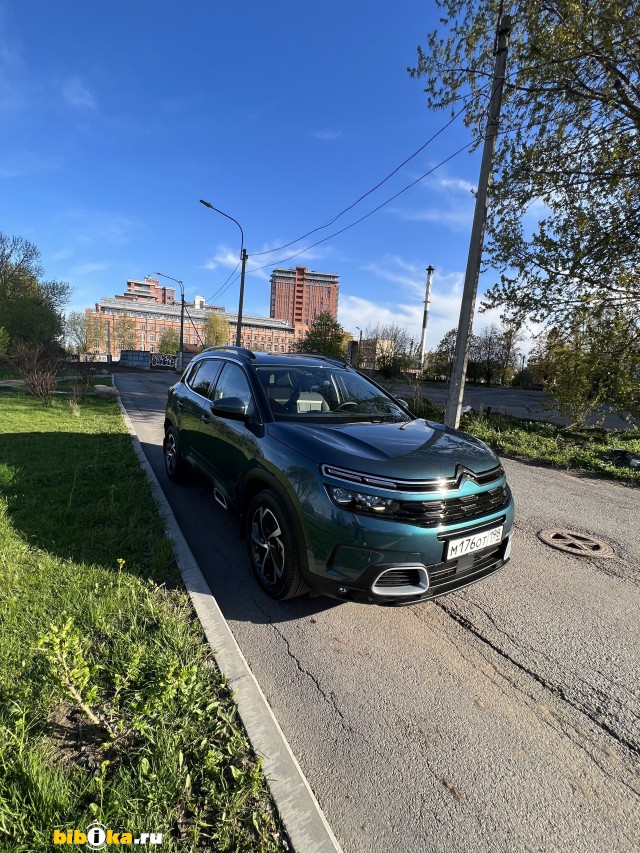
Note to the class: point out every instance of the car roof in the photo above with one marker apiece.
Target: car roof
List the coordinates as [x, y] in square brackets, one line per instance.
[277, 359]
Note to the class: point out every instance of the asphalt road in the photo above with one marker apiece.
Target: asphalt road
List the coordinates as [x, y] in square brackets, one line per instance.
[501, 718]
[523, 403]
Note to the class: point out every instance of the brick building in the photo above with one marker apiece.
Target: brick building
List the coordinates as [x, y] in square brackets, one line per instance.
[299, 295]
[138, 318]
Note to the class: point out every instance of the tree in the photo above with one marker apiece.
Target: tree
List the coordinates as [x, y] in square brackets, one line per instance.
[124, 332]
[31, 308]
[440, 359]
[325, 337]
[216, 330]
[592, 365]
[564, 210]
[389, 348]
[84, 332]
[169, 342]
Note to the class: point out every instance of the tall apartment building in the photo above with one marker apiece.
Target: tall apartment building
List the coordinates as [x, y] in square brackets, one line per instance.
[154, 310]
[299, 295]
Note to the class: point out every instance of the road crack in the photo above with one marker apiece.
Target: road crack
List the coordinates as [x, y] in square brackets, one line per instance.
[558, 691]
[329, 698]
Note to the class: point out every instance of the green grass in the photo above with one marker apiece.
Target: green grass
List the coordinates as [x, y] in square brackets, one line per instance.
[111, 706]
[543, 443]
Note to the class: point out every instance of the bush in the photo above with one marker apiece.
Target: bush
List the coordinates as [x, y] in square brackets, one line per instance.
[37, 364]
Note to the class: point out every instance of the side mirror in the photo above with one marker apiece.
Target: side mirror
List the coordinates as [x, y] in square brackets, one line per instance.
[230, 407]
[402, 402]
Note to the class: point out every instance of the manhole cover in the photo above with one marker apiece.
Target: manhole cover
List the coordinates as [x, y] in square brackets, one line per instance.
[576, 543]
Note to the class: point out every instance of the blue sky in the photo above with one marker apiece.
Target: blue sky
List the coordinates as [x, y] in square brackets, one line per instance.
[118, 117]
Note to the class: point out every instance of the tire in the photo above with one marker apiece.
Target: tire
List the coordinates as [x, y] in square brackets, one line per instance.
[273, 551]
[174, 463]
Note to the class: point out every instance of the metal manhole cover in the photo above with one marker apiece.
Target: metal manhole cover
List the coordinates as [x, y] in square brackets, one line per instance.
[579, 544]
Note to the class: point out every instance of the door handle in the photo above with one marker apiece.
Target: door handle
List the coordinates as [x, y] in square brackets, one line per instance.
[205, 419]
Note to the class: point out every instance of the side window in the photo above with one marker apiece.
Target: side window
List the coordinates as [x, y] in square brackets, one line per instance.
[205, 376]
[233, 383]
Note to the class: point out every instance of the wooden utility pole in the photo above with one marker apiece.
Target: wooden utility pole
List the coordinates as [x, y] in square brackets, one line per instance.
[458, 374]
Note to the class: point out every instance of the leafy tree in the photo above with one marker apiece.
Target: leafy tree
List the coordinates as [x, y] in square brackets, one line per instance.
[124, 332]
[169, 342]
[440, 360]
[216, 330]
[31, 308]
[84, 332]
[564, 214]
[592, 365]
[325, 337]
[511, 336]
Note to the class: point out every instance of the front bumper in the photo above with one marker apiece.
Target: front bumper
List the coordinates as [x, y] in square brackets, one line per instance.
[394, 584]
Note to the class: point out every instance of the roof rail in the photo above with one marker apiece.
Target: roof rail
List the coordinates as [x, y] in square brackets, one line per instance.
[247, 353]
[339, 361]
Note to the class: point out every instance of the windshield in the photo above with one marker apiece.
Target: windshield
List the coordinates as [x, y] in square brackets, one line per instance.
[326, 392]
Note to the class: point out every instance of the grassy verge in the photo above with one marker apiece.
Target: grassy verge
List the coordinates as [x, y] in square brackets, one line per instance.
[111, 707]
[585, 450]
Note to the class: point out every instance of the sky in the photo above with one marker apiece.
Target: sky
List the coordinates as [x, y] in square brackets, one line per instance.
[117, 118]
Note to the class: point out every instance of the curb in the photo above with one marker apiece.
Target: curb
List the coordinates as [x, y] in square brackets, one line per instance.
[304, 821]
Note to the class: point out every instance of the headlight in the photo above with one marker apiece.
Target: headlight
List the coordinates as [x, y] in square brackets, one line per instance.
[357, 501]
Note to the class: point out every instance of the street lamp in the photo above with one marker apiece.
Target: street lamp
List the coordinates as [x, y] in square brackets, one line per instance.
[243, 258]
[177, 281]
[359, 346]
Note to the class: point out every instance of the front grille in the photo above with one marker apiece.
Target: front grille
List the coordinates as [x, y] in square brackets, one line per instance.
[399, 577]
[451, 510]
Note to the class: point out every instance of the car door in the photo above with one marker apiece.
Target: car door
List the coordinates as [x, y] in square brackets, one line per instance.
[229, 447]
[194, 405]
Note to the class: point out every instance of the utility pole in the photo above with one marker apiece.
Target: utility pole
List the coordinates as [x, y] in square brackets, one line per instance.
[181, 355]
[243, 257]
[456, 387]
[425, 317]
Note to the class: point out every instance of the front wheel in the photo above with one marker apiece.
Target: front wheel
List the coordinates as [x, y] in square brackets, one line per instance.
[174, 463]
[274, 554]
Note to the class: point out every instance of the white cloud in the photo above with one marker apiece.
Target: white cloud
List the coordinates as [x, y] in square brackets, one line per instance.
[88, 269]
[326, 135]
[451, 203]
[77, 95]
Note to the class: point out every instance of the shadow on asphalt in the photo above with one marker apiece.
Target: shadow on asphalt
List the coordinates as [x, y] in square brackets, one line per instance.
[215, 539]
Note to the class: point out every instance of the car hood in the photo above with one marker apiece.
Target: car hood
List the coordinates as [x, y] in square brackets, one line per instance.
[420, 450]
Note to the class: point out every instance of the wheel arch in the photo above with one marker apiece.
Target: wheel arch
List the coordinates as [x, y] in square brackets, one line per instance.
[258, 482]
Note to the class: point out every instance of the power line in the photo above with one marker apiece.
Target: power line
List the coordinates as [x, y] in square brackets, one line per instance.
[366, 215]
[223, 287]
[379, 184]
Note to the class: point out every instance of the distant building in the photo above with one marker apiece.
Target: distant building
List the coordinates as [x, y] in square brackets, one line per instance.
[299, 295]
[154, 310]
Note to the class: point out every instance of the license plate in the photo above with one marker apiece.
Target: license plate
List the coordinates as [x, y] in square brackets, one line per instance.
[476, 542]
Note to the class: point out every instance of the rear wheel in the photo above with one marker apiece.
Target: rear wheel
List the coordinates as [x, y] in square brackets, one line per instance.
[274, 553]
[174, 463]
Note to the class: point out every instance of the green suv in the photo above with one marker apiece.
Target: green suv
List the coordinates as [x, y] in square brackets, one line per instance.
[341, 490]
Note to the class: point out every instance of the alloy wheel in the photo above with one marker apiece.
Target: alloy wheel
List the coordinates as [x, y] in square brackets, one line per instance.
[267, 546]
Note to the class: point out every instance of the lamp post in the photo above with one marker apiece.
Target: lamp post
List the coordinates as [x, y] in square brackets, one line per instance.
[359, 346]
[177, 281]
[243, 258]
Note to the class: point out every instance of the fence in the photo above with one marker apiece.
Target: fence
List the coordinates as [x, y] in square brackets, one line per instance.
[145, 360]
